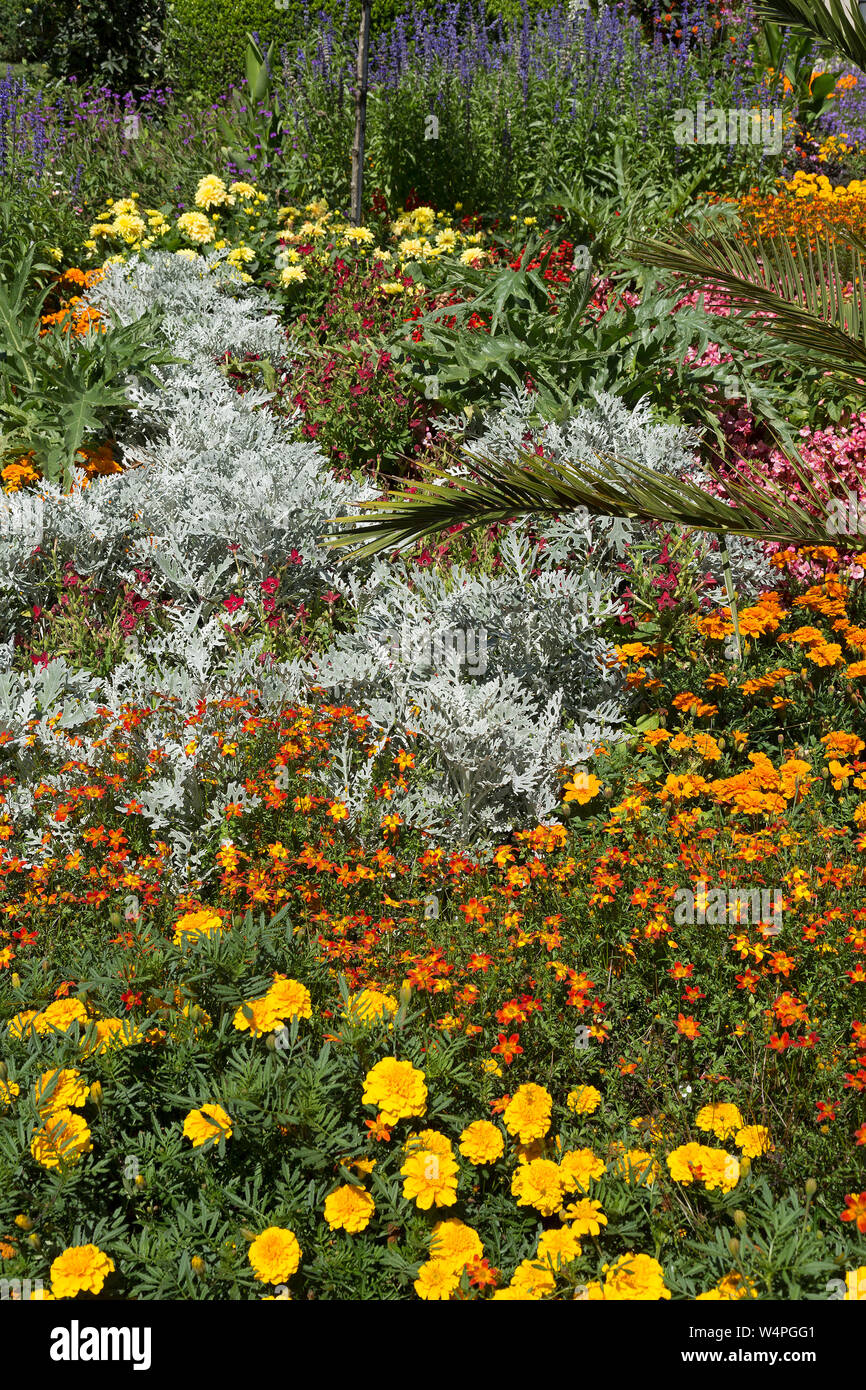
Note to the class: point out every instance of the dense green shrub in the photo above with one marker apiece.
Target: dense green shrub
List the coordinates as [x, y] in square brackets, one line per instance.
[10, 40]
[206, 40]
[117, 41]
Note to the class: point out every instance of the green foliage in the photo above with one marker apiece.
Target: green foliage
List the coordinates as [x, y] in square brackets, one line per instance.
[116, 41]
[206, 40]
[11, 14]
[56, 390]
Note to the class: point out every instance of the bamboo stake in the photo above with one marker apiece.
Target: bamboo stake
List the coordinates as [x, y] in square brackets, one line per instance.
[360, 113]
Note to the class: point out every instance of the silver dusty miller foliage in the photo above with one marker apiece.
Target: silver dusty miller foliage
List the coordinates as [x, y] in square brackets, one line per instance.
[502, 678]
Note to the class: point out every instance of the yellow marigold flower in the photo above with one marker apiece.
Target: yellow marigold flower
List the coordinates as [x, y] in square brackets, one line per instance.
[291, 997]
[455, 1244]
[196, 227]
[397, 1088]
[349, 1209]
[61, 1014]
[558, 1247]
[8, 1091]
[103, 1034]
[636, 1166]
[209, 1122]
[481, 1142]
[275, 1255]
[635, 1277]
[61, 1090]
[721, 1119]
[370, 1006]
[527, 1115]
[754, 1140]
[196, 924]
[80, 1269]
[22, 1024]
[430, 1179]
[539, 1184]
[698, 1163]
[61, 1138]
[585, 1217]
[584, 1101]
[577, 1166]
[532, 1280]
[246, 190]
[431, 1140]
[266, 1016]
[436, 1281]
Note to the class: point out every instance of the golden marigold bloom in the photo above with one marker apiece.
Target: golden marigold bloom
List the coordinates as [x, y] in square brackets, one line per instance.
[61, 1138]
[266, 1015]
[370, 1006]
[105, 1034]
[527, 1115]
[558, 1247]
[210, 1122]
[635, 1277]
[349, 1209]
[732, 1286]
[539, 1184]
[531, 1279]
[285, 999]
[636, 1166]
[436, 1280]
[455, 1244]
[61, 1090]
[481, 1142]
[61, 1014]
[22, 1023]
[584, 1101]
[196, 924]
[80, 1269]
[754, 1140]
[9, 1090]
[721, 1119]
[275, 1255]
[698, 1163]
[585, 1217]
[397, 1088]
[577, 1166]
[430, 1179]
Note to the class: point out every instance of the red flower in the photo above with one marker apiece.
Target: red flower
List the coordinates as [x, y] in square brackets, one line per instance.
[855, 1203]
[508, 1048]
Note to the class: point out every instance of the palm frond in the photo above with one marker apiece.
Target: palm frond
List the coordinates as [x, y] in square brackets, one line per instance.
[837, 24]
[530, 486]
[798, 291]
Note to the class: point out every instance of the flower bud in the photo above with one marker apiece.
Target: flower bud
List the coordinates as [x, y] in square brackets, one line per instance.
[16, 981]
[96, 1094]
[271, 1042]
[115, 919]
[734, 1246]
[248, 1234]
[140, 1180]
[4, 1071]
[34, 1240]
[198, 1265]
[811, 1187]
[24, 1223]
[740, 1219]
